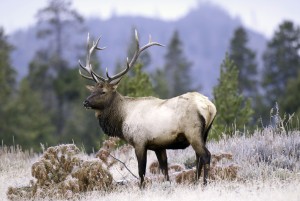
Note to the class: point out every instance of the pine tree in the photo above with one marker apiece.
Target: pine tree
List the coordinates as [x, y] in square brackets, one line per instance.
[290, 101]
[138, 84]
[244, 58]
[7, 83]
[81, 126]
[177, 68]
[160, 85]
[53, 20]
[281, 62]
[41, 78]
[234, 111]
[7, 72]
[30, 123]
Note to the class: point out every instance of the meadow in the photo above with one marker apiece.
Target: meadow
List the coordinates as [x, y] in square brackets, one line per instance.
[262, 166]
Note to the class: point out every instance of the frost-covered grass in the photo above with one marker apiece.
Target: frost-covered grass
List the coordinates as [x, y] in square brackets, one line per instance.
[268, 161]
[263, 155]
[217, 191]
[15, 168]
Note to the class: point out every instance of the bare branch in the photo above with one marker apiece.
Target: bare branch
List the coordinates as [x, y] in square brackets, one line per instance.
[124, 165]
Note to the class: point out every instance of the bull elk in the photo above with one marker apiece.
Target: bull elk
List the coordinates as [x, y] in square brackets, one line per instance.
[149, 123]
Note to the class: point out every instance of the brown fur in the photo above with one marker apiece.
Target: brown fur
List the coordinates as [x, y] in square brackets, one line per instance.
[111, 118]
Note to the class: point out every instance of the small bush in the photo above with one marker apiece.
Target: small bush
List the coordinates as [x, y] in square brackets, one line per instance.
[154, 167]
[219, 170]
[62, 173]
[107, 148]
[186, 177]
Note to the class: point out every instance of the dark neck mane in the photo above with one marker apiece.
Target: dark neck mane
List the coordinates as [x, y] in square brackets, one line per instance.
[111, 119]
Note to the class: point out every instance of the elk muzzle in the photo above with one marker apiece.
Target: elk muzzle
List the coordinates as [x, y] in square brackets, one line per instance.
[87, 104]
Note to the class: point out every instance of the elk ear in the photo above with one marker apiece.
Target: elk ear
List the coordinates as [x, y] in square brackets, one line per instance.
[90, 88]
[115, 84]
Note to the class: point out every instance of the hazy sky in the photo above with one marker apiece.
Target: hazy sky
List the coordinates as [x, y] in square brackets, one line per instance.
[260, 15]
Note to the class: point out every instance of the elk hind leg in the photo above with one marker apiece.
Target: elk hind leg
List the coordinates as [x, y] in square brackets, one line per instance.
[202, 159]
[199, 166]
[206, 161]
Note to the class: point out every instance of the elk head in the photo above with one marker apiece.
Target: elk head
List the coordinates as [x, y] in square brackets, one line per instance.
[103, 92]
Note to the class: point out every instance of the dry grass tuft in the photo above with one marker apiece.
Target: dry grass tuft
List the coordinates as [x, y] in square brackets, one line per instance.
[215, 158]
[175, 168]
[24, 193]
[154, 168]
[107, 148]
[219, 170]
[186, 177]
[62, 173]
[111, 144]
[224, 173]
[20, 157]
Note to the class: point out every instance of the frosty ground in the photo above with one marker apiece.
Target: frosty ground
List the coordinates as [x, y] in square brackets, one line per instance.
[268, 164]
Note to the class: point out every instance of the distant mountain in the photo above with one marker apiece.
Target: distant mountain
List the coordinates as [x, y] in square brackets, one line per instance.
[205, 32]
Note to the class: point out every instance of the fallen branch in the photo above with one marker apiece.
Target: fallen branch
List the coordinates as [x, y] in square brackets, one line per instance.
[123, 165]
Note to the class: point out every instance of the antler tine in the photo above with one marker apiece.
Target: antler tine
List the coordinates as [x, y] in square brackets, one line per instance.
[88, 68]
[95, 46]
[151, 44]
[137, 39]
[93, 77]
[87, 77]
[139, 50]
[107, 75]
[116, 78]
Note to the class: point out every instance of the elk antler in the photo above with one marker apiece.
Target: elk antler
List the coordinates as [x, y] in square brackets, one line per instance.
[116, 78]
[88, 67]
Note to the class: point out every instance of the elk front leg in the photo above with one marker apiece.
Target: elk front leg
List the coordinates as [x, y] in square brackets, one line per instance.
[141, 155]
[163, 162]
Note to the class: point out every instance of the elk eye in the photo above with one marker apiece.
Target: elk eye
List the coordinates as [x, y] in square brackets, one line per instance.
[102, 93]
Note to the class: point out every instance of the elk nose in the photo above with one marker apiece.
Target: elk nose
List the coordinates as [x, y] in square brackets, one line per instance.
[86, 103]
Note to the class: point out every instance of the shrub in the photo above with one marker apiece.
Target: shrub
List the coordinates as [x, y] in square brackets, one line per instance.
[62, 173]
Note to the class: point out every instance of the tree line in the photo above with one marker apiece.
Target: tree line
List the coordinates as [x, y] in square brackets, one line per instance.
[45, 107]
[246, 98]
